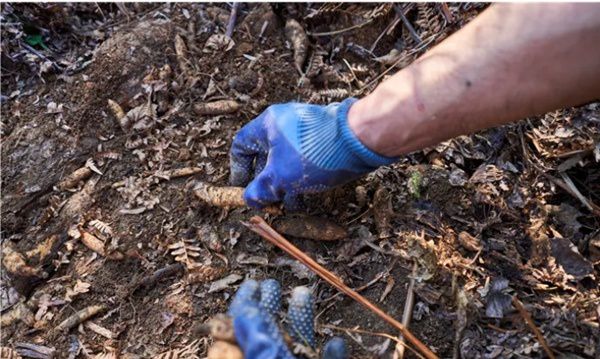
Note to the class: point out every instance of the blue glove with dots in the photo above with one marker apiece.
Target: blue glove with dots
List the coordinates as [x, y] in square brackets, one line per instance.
[296, 148]
[255, 309]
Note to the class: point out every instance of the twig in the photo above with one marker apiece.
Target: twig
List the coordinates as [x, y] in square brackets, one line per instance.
[261, 227]
[407, 312]
[165, 272]
[527, 317]
[232, 18]
[337, 32]
[575, 192]
[389, 28]
[408, 25]
[79, 317]
[446, 12]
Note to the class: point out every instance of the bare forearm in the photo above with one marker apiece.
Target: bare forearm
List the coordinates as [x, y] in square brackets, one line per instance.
[513, 61]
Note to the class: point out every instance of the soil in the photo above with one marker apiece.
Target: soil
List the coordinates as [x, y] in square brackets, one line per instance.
[501, 186]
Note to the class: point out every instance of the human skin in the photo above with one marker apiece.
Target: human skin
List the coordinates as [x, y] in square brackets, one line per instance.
[511, 62]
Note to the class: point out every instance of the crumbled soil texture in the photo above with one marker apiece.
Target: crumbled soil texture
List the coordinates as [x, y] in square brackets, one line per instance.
[507, 212]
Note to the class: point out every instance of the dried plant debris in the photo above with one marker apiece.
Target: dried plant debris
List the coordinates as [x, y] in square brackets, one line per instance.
[310, 227]
[218, 43]
[423, 252]
[189, 351]
[80, 317]
[383, 211]
[110, 113]
[188, 253]
[72, 180]
[30, 350]
[224, 197]
[183, 60]
[221, 107]
[469, 242]
[15, 263]
[8, 353]
[297, 37]
[224, 350]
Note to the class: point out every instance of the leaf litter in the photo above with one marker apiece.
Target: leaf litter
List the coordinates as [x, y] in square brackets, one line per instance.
[138, 112]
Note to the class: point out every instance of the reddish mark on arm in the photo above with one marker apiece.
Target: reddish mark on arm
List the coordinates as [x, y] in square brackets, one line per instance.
[420, 107]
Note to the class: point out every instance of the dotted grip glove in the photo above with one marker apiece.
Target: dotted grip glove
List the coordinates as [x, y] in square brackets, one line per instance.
[254, 311]
[297, 148]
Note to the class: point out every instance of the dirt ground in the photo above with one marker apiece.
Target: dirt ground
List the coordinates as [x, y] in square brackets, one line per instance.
[92, 209]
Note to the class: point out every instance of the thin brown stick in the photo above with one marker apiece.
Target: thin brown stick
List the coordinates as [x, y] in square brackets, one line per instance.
[407, 312]
[530, 323]
[261, 227]
[337, 32]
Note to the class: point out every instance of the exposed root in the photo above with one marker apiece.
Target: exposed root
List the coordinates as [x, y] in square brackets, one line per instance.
[224, 350]
[182, 56]
[96, 245]
[75, 177]
[315, 228]
[297, 36]
[15, 263]
[79, 317]
[225, 197]
[221, 107]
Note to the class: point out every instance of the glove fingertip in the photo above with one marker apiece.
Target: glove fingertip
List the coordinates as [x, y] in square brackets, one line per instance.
[246, 295]
[270, 296]
[335, 348]
[260, 192]
[301, 316]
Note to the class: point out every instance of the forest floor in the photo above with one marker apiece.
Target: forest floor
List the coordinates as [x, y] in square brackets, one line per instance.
[92, 205]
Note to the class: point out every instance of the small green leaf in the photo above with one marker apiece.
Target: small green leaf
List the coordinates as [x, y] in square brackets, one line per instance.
[33, 40]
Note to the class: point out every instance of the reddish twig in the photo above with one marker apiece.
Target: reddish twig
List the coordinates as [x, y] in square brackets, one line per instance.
[530, 323]
[261, 227]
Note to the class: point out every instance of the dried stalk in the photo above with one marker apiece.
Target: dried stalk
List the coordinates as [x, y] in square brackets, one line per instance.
[261, 227]
[527, 317]
[407, 312]
[225, 197]
[79, 317]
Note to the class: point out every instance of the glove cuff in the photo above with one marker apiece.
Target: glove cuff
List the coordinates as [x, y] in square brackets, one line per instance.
[352, 142]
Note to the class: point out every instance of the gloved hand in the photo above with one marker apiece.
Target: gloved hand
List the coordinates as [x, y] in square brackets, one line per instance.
[297, 148]
[255, 309]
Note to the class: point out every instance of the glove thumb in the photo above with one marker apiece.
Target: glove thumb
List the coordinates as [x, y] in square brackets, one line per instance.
[261, 191]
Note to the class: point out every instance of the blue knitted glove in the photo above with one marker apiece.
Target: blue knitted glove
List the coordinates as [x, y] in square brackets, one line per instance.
[297, 148]
[254, 310]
